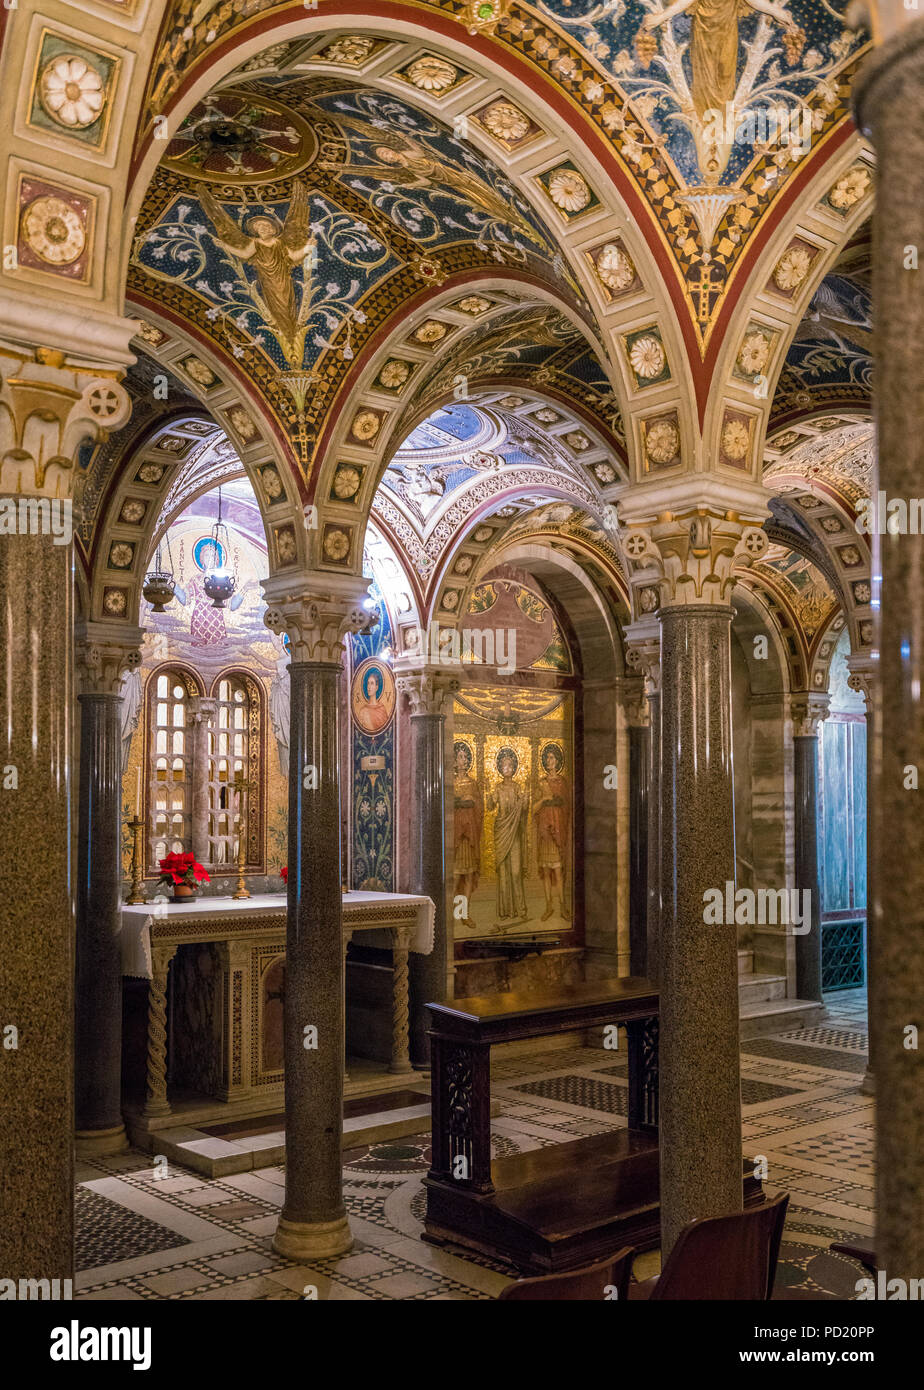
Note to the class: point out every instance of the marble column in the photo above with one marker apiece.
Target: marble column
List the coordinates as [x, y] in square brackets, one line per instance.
[104, 652]
[316, 612]
[808, 712]
[864, 679]
[428, 692]
[643, 640]
[48, 409]
[700, 1086]
[684, 564]
[200, 712]
[635, 705]
[889, 102]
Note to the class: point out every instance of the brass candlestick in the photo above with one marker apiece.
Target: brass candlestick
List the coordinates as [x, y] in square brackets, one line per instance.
[241, 786]
[137, 828]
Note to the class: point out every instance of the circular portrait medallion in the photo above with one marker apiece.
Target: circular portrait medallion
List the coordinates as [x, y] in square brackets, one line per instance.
[372, 695]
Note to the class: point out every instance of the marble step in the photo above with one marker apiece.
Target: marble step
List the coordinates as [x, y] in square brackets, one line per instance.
[756, 1020]
[752, 989]
[745, 962]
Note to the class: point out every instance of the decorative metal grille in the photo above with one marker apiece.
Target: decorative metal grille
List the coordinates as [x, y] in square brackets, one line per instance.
[842, 955]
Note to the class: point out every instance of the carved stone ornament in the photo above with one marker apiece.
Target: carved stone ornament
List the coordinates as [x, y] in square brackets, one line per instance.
[427, 691]
[104, 652]
[809, 710]
[49, 410]
[318, 616]
[690, 557]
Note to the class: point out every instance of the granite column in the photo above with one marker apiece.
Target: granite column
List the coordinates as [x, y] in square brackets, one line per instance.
[427, 692]
[49, 408]
[104, 652]
[682, 570]
[808, 712]
[313, 1223]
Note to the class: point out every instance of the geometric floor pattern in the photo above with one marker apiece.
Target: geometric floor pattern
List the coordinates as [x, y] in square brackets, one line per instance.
[143, 1235]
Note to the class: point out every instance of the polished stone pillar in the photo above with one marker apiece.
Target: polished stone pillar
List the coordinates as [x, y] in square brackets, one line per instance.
[313, 1224]
[428, 692]
[48, 409]
[104, 652]
[889, 100]
[808, 712]
[200, 713]
[864, 679]
[643, 640]
[636, 709]
[700, 1101]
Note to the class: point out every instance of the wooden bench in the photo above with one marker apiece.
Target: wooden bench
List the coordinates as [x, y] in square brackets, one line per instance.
[564, 1205]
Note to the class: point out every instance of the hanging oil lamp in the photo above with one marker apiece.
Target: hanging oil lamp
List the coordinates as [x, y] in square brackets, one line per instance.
[219, 580]
[159, 584]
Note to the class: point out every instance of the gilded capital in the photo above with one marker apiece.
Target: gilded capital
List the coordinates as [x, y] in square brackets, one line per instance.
[316, 611]
[689, 557]
[49, 409]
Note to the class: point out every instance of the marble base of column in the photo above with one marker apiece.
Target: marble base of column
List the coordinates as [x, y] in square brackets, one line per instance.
[96, 1143]
[700, 1098]
[313, 1222]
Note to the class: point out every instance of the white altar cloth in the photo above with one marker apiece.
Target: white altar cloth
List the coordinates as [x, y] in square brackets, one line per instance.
[213, 918]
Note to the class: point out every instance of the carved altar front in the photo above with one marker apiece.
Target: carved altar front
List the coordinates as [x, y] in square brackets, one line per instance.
[222, 963]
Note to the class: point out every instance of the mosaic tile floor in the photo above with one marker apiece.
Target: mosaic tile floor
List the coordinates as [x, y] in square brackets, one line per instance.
[145, 1236]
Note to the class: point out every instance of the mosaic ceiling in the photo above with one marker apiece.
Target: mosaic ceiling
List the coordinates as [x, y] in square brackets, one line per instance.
[709, 105]
[287, 226]
[829, 364]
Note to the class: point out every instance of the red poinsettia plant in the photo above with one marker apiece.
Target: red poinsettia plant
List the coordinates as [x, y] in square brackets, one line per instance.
[182, 870]
[284, 873]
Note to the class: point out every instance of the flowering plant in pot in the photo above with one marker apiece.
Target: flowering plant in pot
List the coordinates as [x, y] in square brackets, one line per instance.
[184, 874]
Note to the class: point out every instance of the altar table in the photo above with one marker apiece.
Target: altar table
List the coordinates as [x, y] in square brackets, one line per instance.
[230, 1038]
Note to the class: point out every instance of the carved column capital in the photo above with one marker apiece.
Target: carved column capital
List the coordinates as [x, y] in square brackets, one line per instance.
[49, 409]
[201, 709]
[643, 651]
[633, 698]
[427, 689]
[809, 710]
[688, 557]
[317, 611]
[864, 679]
[104, 652]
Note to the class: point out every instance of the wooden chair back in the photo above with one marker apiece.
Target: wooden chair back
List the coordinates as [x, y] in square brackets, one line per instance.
[589, 1284]
[726, 1257]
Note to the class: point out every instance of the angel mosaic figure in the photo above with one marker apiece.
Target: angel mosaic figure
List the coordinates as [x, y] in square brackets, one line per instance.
[714, 43]
[400, 154]
[274, 248]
